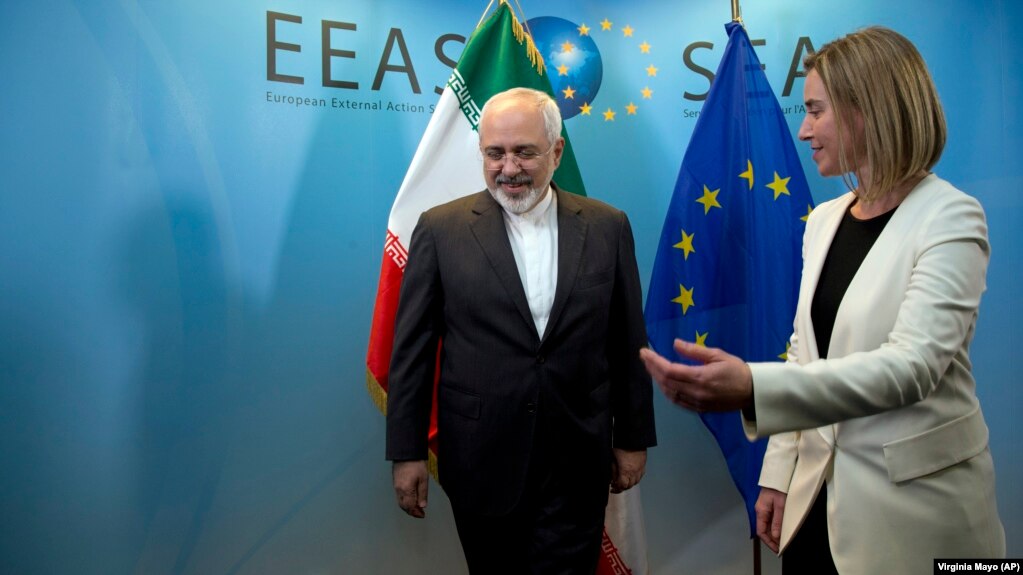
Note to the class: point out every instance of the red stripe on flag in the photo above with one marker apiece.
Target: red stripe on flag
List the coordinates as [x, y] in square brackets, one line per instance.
[610, 562]
[381, 335]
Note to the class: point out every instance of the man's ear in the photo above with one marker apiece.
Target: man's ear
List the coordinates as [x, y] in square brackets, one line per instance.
[559, 148]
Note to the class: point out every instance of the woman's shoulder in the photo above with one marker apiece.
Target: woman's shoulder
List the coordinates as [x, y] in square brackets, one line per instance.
[936, 187]
[939, 212]
[934, 195]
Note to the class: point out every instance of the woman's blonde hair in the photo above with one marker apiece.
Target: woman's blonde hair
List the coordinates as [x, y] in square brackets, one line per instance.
[878, 74]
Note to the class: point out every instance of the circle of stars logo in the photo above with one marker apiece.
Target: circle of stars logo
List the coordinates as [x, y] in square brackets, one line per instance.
[575, 65]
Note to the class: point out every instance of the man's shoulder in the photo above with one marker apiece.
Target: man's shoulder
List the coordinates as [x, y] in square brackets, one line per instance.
[590, 206]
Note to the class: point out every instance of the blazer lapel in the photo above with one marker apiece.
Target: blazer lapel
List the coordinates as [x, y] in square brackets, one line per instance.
[571, 238]
[489, 229]
[813, 265]
[821, 246]
[876, 265]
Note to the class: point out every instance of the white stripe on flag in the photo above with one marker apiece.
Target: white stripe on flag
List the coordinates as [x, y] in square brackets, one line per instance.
[624, 524]
[447, 165]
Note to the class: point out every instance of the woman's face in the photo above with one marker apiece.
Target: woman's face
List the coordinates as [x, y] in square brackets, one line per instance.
[820, 130]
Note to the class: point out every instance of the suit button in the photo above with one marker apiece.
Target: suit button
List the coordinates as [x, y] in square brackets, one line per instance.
[531, 407]
[539, 359]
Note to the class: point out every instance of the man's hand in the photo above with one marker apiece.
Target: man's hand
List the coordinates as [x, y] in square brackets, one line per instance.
[723, 383]
[770, 509]
[410, 486]
[627, 469]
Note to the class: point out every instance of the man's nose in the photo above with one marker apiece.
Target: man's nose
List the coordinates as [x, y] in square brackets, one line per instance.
[510, 164]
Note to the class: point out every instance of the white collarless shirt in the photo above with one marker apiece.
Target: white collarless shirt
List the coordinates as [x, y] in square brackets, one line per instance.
[534, 241]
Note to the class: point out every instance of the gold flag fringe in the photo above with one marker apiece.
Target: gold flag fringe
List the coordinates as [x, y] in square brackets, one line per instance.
[376, 392]
[431, 465]
[520, 35]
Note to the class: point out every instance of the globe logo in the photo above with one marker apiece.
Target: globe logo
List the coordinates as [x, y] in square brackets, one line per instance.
[573, 61]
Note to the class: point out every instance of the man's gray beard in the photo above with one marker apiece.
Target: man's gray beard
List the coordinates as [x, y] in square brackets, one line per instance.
[518, 205]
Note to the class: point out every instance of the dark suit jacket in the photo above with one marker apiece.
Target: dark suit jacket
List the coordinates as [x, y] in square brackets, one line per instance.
[498, 377]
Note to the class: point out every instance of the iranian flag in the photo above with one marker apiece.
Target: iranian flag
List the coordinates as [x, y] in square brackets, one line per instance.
[498, 56]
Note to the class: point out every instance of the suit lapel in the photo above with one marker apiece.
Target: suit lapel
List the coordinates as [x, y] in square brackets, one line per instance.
[571, 238]
[876, 265]
[820, 246]
[813, 265]
[489, 229]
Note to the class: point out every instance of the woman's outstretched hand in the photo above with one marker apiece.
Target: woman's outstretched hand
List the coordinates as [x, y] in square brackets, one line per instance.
[722, 383]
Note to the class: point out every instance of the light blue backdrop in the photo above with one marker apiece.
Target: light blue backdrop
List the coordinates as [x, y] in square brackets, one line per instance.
[188, 268]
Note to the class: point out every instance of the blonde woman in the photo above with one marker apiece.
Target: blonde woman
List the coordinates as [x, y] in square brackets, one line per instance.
[878, 458]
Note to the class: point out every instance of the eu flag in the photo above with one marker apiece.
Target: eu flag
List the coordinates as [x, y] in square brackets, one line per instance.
[728, 262]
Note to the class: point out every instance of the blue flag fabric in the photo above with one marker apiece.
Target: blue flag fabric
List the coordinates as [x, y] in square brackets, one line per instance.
[728, 262]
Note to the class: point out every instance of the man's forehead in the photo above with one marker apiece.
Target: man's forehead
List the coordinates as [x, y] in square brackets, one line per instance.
[520, 130]
[513, 114]
[508, 102]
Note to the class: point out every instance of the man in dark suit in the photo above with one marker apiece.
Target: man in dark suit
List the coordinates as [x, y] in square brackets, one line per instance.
[543, 403]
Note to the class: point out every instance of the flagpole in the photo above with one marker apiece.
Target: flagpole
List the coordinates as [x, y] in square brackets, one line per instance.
[737, 17]
[756, 556]
[487, 11]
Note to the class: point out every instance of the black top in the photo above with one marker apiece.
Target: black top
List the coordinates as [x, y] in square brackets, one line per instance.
[852, 242]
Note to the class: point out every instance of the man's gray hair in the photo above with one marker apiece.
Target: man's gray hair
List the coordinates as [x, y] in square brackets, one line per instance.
[543, 102]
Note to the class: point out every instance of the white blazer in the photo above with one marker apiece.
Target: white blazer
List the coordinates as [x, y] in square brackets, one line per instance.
[890, 419]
